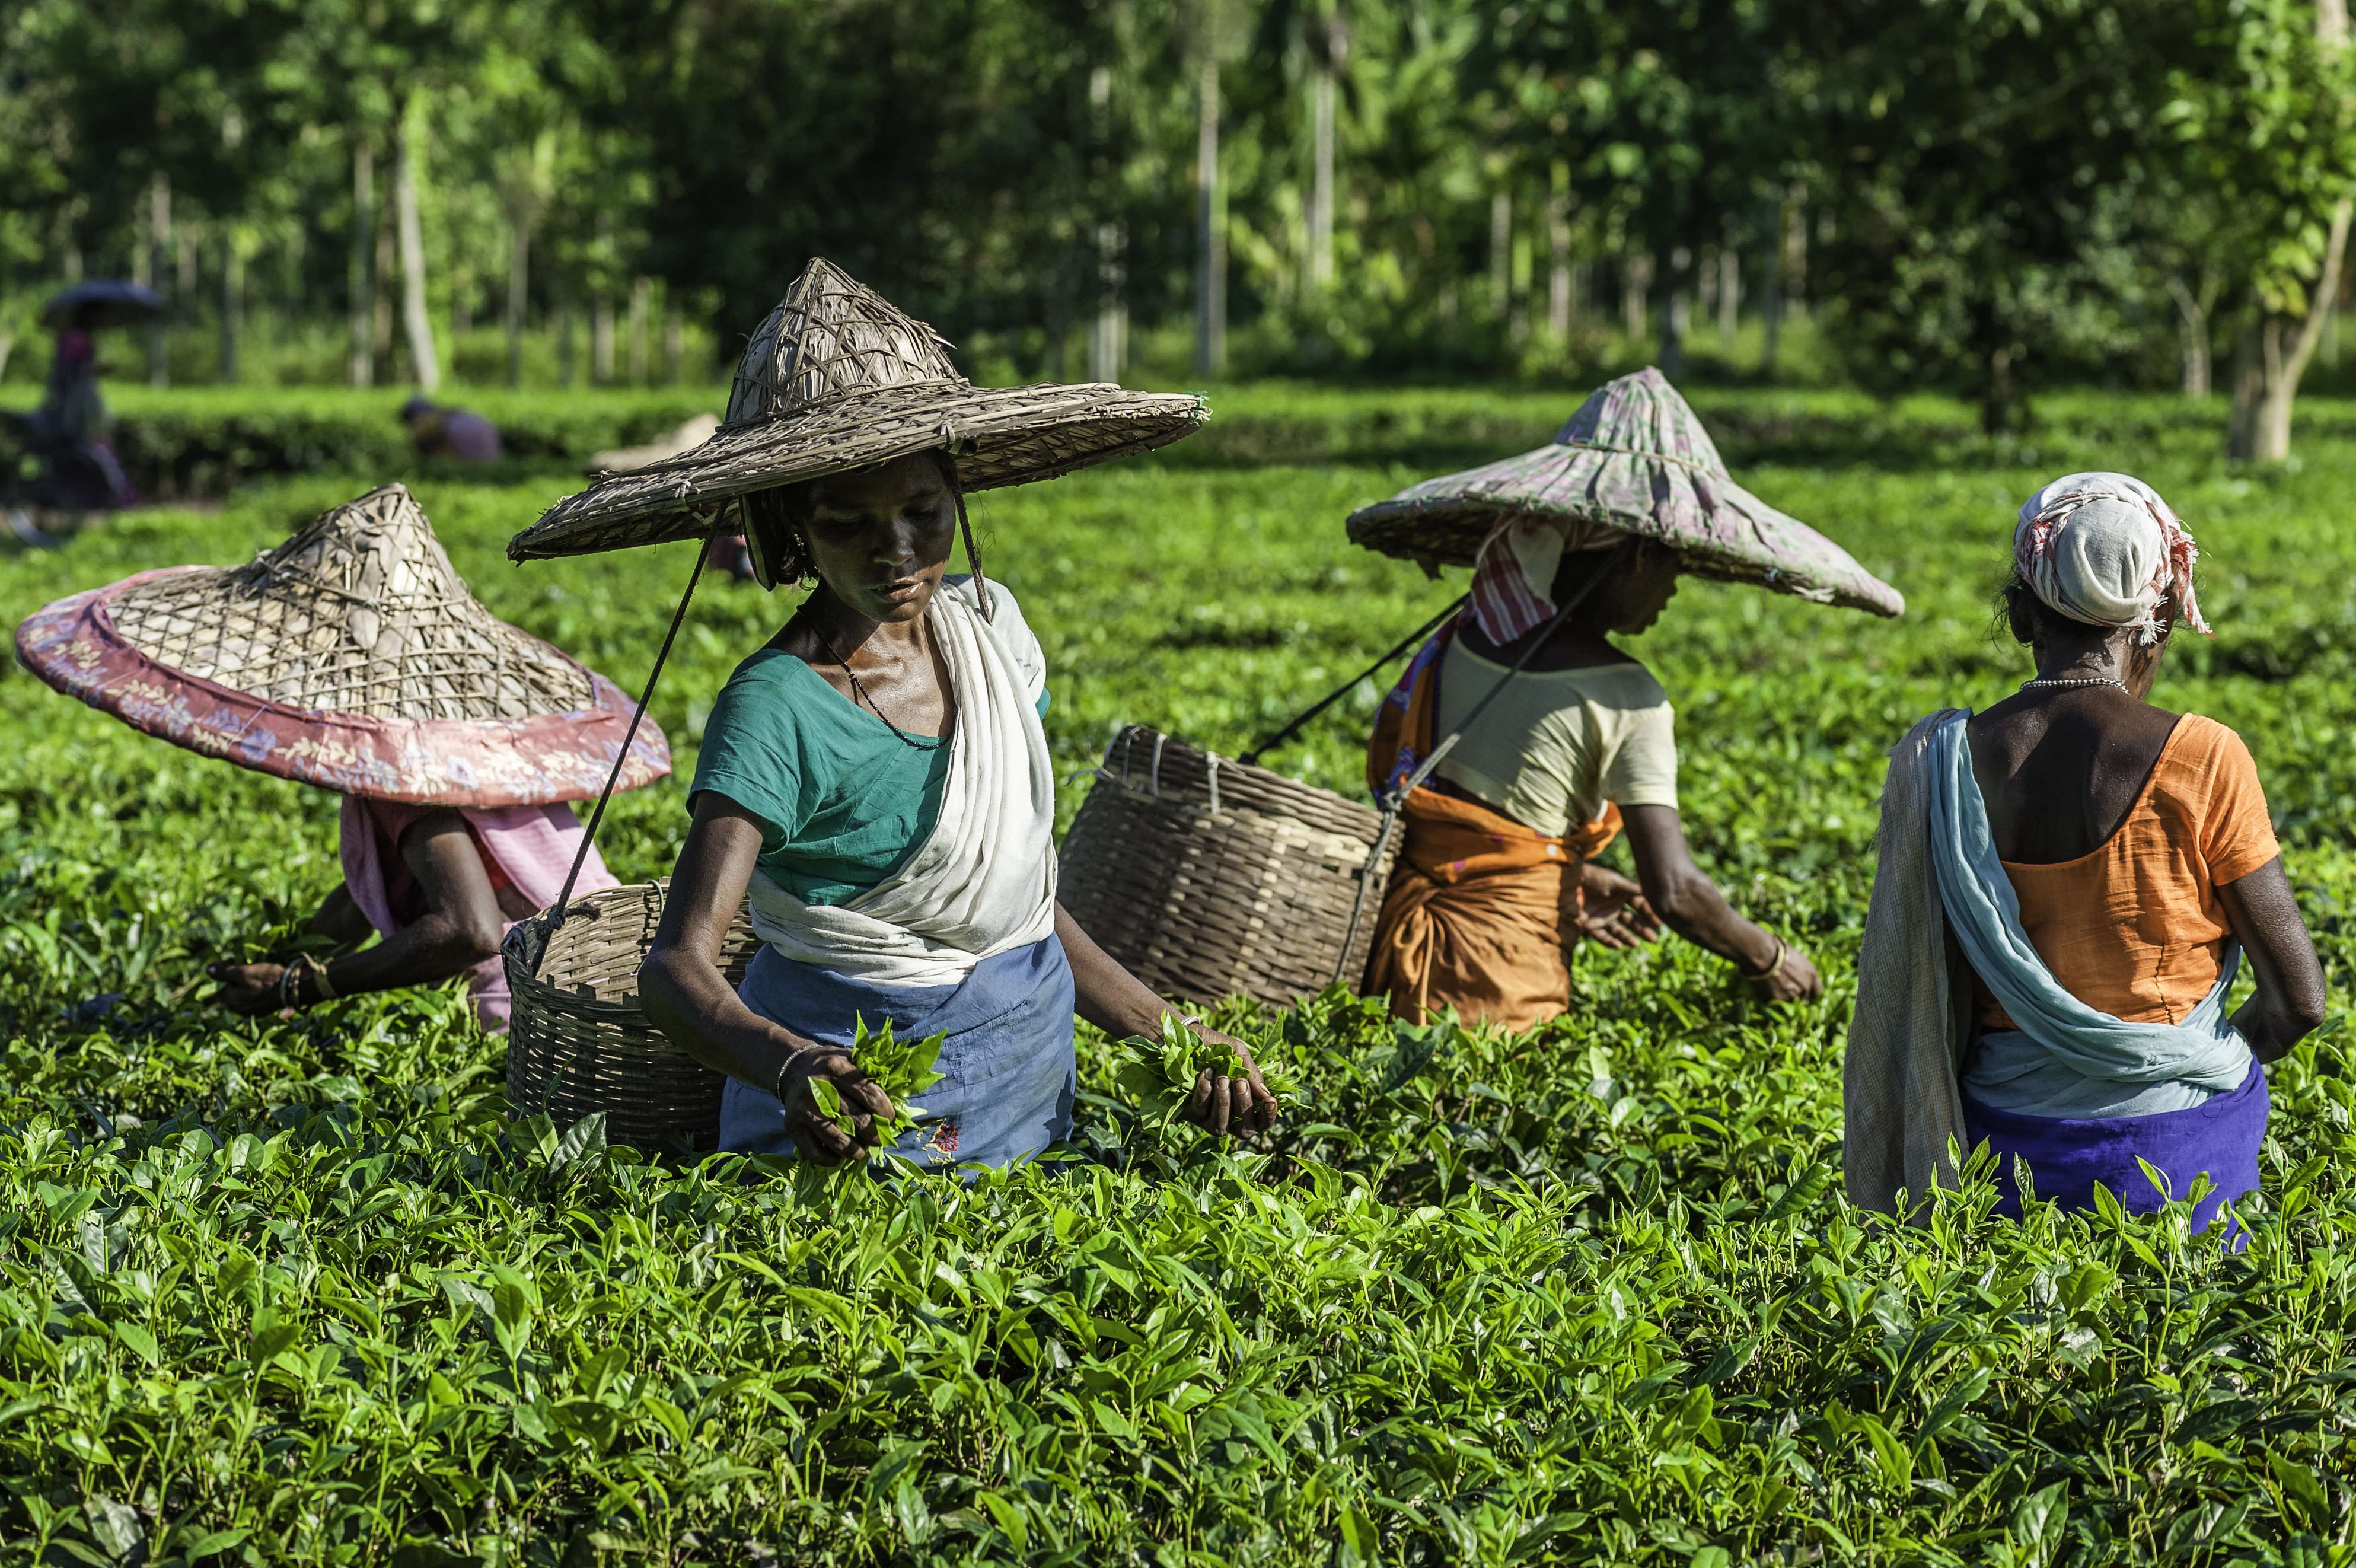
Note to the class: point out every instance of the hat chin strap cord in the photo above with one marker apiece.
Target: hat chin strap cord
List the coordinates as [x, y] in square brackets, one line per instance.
[621, 759]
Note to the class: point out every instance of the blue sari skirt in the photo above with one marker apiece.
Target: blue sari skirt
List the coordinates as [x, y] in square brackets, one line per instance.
[1007, 1058]
[2067, 1155]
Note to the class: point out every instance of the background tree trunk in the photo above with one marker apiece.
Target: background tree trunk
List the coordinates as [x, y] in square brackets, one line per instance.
[519, 296]
[381, 296]
[1501, 254]
[363, 265]
[1108, 328]
[568, 352]
[419, 325]
[674, 339]
[601, 339]
[232, 306]
[2273, 352]
[1211, 241]
[2192, 334]
[1559, 241]
[1677, 319]
[641, 301]
[1795, 257]
[1729, 293]
[1635, 291]
[159, 249]
[1321, 178]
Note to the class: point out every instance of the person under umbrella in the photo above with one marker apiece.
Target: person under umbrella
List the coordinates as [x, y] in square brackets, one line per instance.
[72, 425]
[2067, 886]
[1556, 739]
[353, 657]
[877, 776]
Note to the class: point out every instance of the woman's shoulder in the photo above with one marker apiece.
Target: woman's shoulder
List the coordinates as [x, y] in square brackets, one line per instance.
[769, 671]
[1631, 684]
[2200, 748]
[1620, 682]
[773, 693]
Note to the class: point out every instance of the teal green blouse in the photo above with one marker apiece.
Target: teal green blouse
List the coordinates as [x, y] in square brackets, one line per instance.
[844, 802]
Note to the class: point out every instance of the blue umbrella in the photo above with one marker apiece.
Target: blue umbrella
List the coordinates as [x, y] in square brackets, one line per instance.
[114, 302]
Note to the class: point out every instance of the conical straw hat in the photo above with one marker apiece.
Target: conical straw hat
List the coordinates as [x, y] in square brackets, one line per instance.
[351, 656]
[1635, 460]
[837, 379]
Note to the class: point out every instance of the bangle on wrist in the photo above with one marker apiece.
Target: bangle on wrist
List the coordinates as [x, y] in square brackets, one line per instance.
[1774, 965]
[291, 983]
[794, 1060]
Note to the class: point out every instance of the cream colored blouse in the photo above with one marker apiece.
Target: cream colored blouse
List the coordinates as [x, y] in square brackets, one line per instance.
[1558, 744]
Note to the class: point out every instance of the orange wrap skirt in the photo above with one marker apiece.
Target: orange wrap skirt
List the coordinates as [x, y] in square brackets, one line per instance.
[1481, 914]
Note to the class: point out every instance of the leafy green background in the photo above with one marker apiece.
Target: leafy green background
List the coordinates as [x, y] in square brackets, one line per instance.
[297, 1291]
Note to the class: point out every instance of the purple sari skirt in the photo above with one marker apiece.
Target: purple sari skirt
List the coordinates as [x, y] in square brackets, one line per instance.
[2068, 1155]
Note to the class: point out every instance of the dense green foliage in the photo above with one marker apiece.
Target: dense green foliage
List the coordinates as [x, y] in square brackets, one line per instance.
[295, 1290]
[1995, 195]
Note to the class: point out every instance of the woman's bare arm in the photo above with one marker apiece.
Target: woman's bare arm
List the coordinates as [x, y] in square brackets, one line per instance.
[2288, 1002]
[339, 919]
[461, 927]
[1119, 1004]
[687, 998]
[1689, 904]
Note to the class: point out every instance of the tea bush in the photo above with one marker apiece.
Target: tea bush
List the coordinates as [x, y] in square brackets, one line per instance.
[295, 1290]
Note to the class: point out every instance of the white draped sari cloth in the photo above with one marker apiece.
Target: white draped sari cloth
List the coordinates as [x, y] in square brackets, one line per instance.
[983, 882]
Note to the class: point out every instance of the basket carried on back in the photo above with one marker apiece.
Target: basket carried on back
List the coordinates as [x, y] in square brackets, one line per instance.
[578, 1042]
[1208, 877]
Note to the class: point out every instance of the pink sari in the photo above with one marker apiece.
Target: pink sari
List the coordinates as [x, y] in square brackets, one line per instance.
[527, 847]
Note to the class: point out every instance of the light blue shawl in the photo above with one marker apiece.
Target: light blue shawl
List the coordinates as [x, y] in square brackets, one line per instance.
[2065, 1058]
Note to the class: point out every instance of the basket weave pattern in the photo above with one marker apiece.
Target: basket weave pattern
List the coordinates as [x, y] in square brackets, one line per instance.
[352, 658]
[361, 613]
[1209, 879]
[578, 1042]
[829, 337]
[837, 379]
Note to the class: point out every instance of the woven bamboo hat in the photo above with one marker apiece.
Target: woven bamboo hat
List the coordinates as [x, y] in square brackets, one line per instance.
[350, 657]
[837, 379]
[1634, 461]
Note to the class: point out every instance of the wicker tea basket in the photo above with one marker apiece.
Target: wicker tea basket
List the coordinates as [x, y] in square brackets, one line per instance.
[1209, 877]
[578, 1043]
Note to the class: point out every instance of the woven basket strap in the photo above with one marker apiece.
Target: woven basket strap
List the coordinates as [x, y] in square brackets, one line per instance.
[621, 759]
[1294, 728]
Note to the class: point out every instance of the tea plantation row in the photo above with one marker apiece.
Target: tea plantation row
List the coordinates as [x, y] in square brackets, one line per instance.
[296, 1290]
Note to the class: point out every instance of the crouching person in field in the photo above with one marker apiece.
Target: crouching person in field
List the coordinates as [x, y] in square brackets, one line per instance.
[2068, 885]
[877, 776]
[353, 657]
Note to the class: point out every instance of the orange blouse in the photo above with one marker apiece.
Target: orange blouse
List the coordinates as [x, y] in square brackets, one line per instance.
[2135, 928]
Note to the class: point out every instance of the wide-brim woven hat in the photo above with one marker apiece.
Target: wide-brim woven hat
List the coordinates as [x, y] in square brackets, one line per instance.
[1634, 461]
[837, 379]
[351, 656]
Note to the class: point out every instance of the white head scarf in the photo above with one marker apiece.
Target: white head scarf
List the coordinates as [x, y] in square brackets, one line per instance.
[2105, 550]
